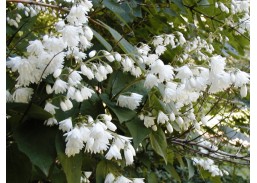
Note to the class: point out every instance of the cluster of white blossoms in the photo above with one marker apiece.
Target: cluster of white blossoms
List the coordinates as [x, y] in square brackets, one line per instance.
[110, 178]
[208, 164]
[241, 8]
[131, 102]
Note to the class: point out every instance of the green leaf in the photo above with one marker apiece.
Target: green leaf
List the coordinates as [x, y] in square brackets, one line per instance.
[191, 170]
[170, 168]
[18, 166]
[159, 143]
[71, 165]
[123, 114]
[152, 178]
[138, 130]
[102, 40]
[37, 142]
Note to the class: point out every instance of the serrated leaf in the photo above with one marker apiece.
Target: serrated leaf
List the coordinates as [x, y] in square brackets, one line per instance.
[71, 165]
[37, 142]
[138, 130]
[159, 143]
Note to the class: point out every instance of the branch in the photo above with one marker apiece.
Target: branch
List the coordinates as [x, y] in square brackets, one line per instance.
[39, 4]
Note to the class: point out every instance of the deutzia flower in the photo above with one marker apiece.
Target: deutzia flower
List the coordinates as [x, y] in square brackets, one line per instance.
[75, 78]
[241, 78]
[180, 121]
[49, 89]
[169, 127]
[184, 72]
[22, 95]
[122, 179]
[117, 57]
[158, 40]
[50, 108]
[127, 64]
[138, 180]
[51, 122]
[71, 35]
[113, 152]
[57, 73]
[160, 49]
[92, 53]
[60, 86]
[204, 120]
[87, 72]
[88, 33]
[86, 93]
[109, 178]
[66, 105]
[151, 81]
[243, 91]
[162, 118]
[131, 102]
[128, 156]
[35, 47]
[74, 142]
[65, 125]
[217, 64]
[108, 56]
[78, 96]
[149, 121]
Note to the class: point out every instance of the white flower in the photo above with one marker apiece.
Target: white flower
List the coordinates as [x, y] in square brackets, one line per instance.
[108, 56]
[182, 40]
[151, 81]
[35, 47]
[92, 53]
[57, 73]
[111, 126]
[86, 93]
[85, 133]
[49, 89]
[241, 78]
[131, 102]
[65, 125]
[22, 95]
[128, 156]
[117, 57]
[84, 42]
[71, 35]
[51, 122]
[60, 86]
[71, 92]
[20, 6]
[14, 63]
[172, 116]
[136, 71]
[217, 64]
[138, 180]
[86, 71]
[77, 15]
[122, 179]
[74, 142]
[184, 72]
[101, 73]
[66, 105]
[88, 33]
[180, 121]
[204, 120]
[109, 178]
[78, 96]
[165, 72]
[75, 78]
[158, 40]
[154, 128]
[50, 108]
[243, 91]
[162, 118]
[127, 64]
[160, 49]
[113, 152]
[149, 121]
[169, 127]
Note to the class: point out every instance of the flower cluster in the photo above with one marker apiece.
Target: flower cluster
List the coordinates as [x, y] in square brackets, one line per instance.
[208, 164]
[110, 178]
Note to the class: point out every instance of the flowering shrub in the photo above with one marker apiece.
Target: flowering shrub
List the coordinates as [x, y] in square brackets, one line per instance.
[126, 91]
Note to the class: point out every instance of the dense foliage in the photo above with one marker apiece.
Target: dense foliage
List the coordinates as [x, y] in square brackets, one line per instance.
[127, 91]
